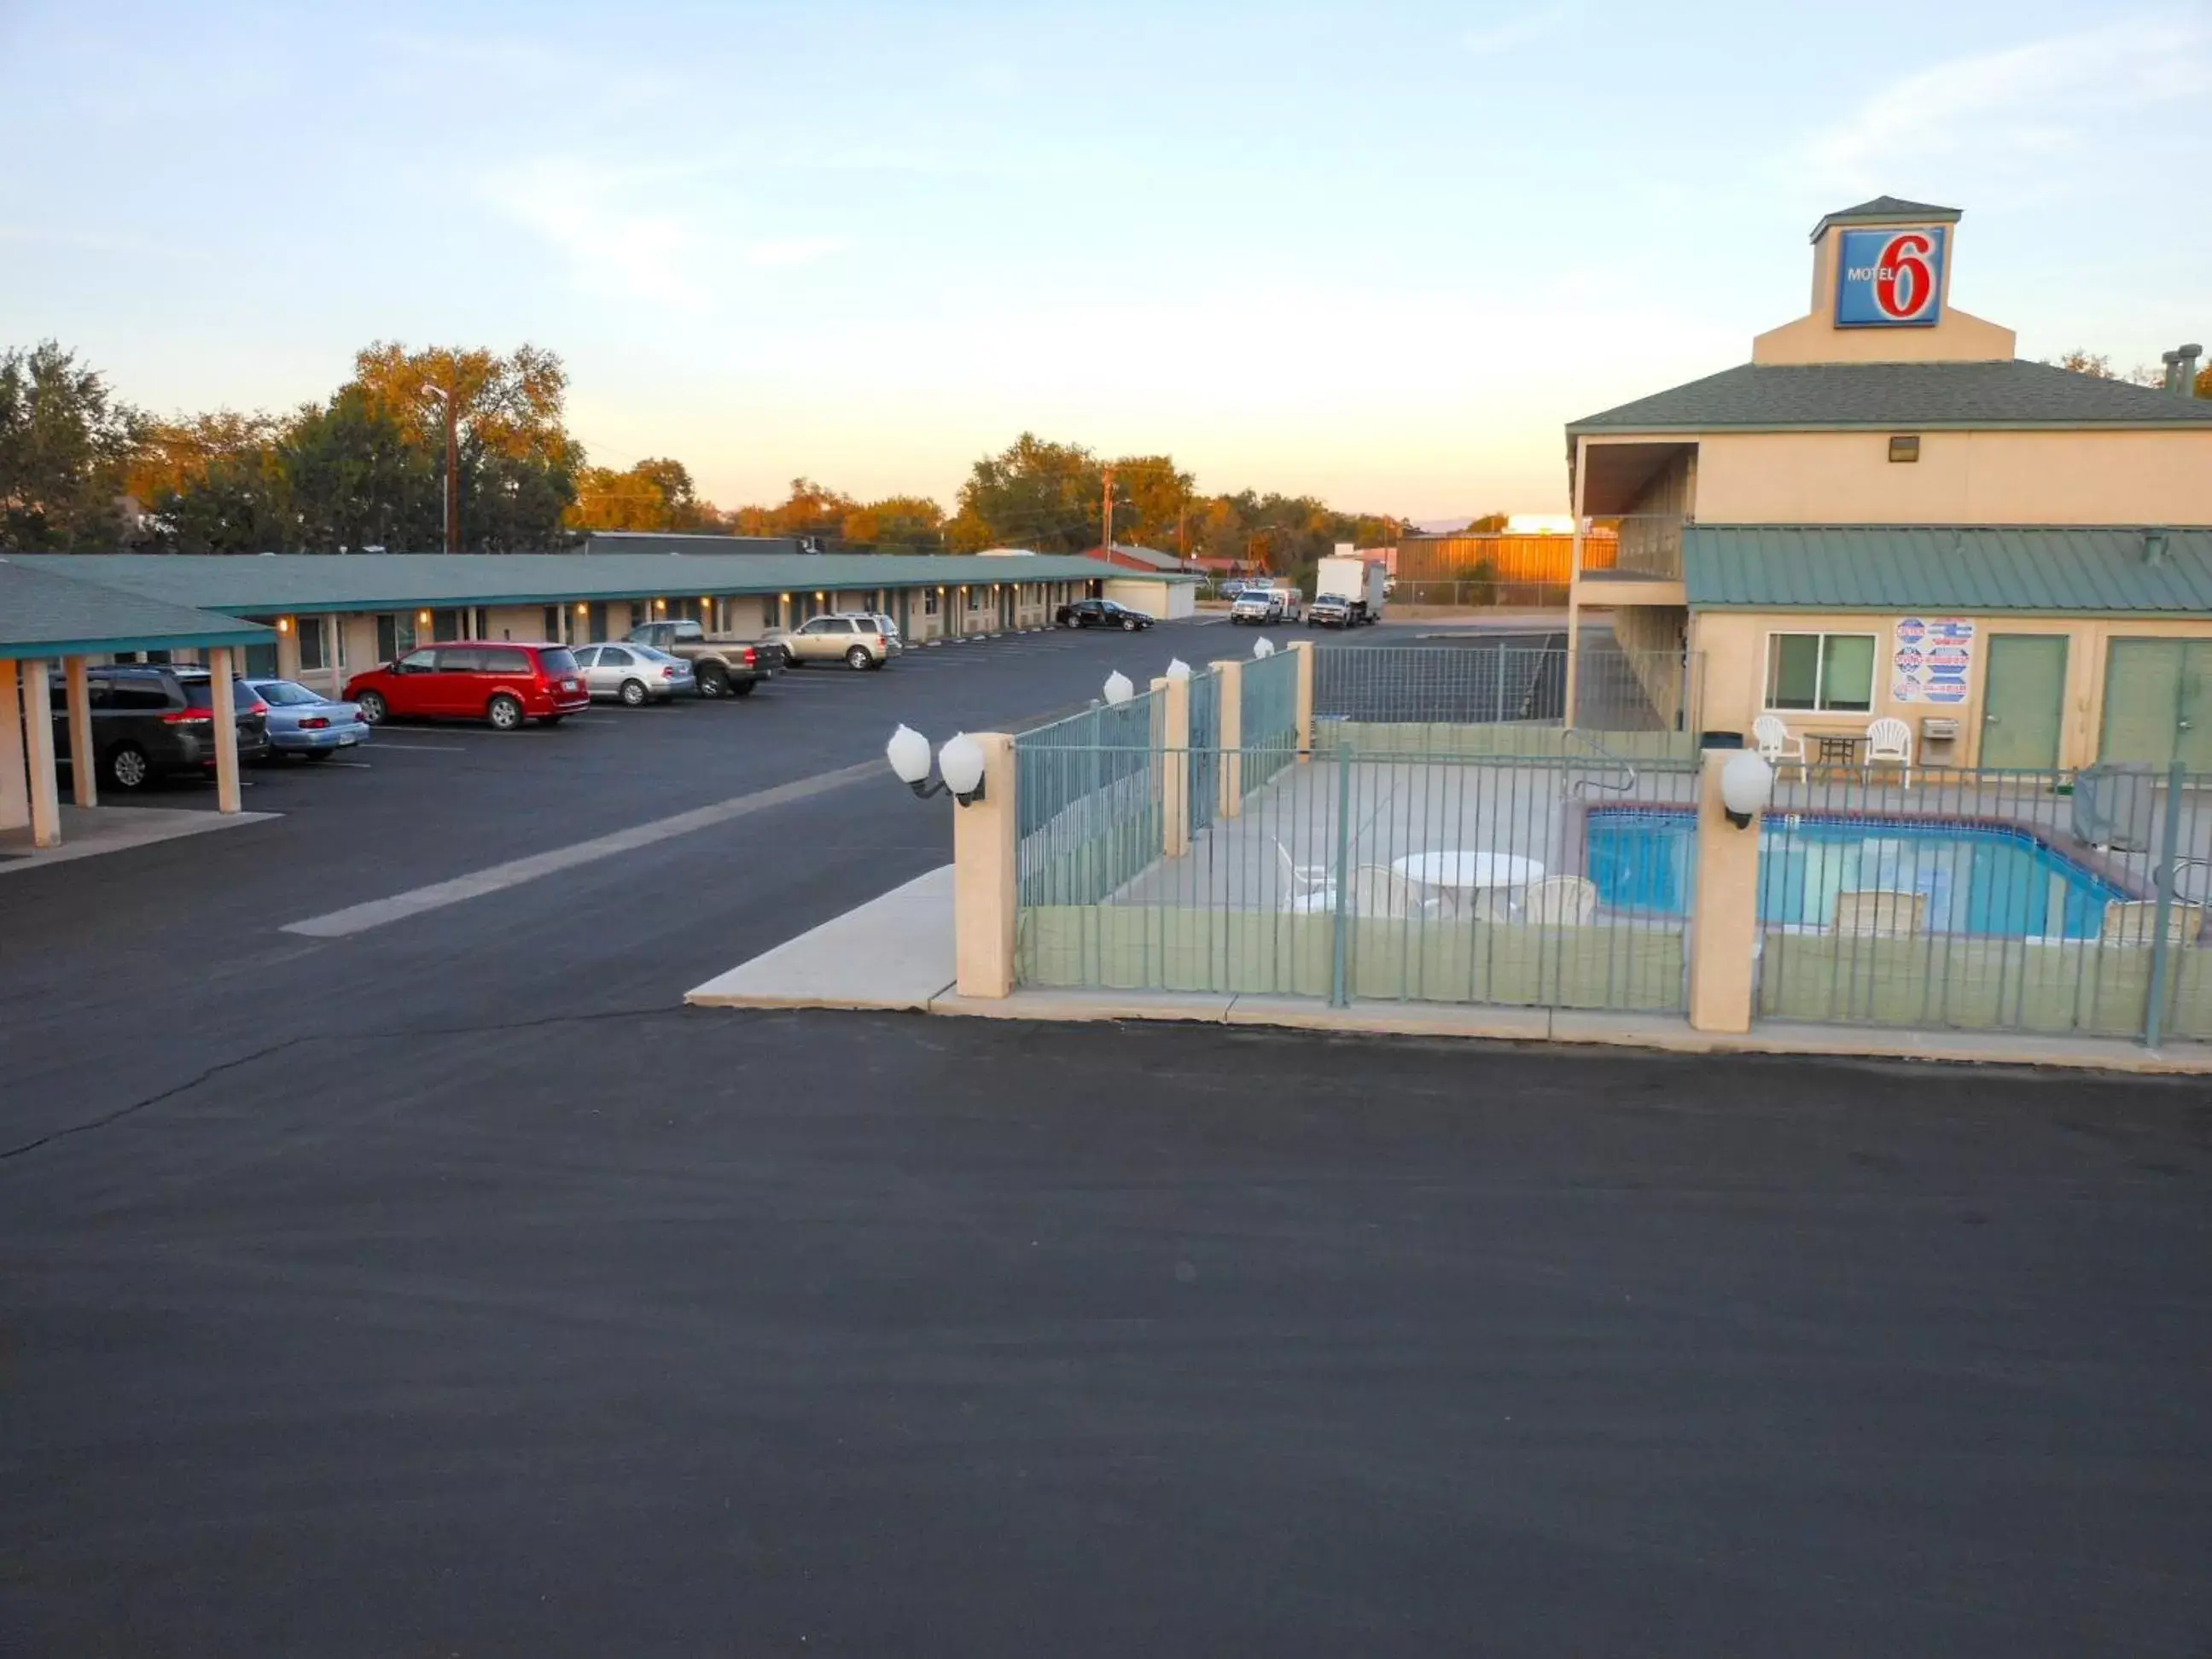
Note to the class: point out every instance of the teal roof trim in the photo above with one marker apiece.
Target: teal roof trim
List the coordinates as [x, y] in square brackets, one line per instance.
[2021, 569]
[286, 583]
[44, 614]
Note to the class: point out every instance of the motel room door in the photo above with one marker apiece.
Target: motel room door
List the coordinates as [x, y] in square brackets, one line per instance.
[2024, 704]
[2158, 702]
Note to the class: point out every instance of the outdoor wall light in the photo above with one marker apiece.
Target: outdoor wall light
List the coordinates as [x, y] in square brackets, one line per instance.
[422, 617]
[1746, 786]
[959, 765]
[1263, 646]
[1178, 670]
[1119, 687]
[583, 609]
[284, 625]
[660, 605]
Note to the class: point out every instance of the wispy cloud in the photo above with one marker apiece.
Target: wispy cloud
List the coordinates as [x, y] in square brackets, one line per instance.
[2025, 106]
[655, 234]
[1505, 32]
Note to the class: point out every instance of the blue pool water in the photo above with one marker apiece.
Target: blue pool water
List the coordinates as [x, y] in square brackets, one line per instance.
[1979, 879]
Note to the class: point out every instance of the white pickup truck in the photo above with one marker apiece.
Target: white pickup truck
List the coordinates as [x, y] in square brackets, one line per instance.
[1264, 605]
[1347, 592]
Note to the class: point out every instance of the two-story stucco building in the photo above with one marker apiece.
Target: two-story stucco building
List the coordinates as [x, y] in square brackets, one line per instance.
[1887, 513]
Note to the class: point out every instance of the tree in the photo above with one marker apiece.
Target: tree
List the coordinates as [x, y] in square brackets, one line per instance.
[656, 494]
[2098, 368]
[1033, 493]
[353, 479]
[1488, 524]
[897, 521]
[518, 465]
[811, 509]
[64, 447]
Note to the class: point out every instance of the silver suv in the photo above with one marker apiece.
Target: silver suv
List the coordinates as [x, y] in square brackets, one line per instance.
[856, 638]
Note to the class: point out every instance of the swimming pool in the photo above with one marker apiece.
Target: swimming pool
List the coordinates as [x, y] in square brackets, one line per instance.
[1979, 878]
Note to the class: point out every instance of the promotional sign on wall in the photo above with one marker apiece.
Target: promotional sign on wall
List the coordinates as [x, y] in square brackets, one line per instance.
[1931, 661]
[1890, 278]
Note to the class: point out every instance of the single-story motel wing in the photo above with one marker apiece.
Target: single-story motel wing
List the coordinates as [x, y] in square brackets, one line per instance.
[320, 619]
[1887, 513]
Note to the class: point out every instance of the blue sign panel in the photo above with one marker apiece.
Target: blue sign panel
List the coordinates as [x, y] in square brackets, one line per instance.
[1890, 278]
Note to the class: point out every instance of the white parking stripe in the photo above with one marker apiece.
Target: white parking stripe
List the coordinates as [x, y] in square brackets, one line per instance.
[426, 748]
[376, 913]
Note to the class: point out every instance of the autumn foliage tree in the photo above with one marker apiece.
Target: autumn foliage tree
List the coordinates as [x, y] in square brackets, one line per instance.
[65, 448]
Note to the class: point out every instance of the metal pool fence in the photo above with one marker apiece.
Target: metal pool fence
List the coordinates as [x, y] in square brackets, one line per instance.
[1440, 879]
[2049, 903]
[1512, 680]
[1089, 790]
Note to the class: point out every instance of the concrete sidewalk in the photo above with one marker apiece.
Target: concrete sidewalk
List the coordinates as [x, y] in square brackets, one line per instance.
[896, 952]
[87, 832]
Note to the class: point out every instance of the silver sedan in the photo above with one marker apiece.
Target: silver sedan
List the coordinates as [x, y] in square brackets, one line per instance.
[634, 674]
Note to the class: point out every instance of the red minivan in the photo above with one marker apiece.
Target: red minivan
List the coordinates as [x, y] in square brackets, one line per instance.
[474, 680]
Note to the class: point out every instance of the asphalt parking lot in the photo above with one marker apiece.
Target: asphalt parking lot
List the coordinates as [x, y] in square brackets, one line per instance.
[443, 1286]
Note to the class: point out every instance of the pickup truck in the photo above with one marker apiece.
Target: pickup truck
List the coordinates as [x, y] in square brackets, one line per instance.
[724, 668]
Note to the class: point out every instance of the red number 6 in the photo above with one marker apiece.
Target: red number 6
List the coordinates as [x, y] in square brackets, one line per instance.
[1905, 282]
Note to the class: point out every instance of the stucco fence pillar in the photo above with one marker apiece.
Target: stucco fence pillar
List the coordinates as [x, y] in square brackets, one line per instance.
[1303, 650]
[1231, 718]
[1724, 916]
[1174, 752]
[985, 889]
[36, 702]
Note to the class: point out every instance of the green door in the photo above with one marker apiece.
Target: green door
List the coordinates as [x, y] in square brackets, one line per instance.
[2024, 704]
[2158, 702]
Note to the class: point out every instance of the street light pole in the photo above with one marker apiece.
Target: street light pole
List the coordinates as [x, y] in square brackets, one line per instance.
[452, 491]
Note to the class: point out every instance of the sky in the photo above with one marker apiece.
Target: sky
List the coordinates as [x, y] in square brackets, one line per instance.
[1378, 253]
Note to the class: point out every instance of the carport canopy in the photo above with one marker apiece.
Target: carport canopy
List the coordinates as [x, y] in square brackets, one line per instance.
[46, 618]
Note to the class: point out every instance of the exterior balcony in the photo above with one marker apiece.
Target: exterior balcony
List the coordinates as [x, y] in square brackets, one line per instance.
[1639, 564]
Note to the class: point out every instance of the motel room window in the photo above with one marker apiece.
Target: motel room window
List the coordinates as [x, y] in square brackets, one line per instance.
[929, 602]
[395, 635]
[1905, 448]
[974, 599]
[1831, 673]
[310, 629]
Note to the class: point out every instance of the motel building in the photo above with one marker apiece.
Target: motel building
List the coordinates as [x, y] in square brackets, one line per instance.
[322, 618]
[1888, 512]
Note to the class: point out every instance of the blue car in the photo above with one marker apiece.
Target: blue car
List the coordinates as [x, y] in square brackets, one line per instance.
[307, 723]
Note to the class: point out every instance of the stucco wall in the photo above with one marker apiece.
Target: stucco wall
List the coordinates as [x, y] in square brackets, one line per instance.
[1733, 646]
[1962, 477]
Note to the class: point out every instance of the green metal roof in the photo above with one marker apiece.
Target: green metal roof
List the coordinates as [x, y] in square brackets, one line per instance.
[1903, 397]
[2059, 570]
[278, 583]
[43, 614]
[1888, 209]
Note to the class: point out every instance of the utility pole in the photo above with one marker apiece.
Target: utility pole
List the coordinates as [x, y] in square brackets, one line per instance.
[1106, 513]
[453, 473]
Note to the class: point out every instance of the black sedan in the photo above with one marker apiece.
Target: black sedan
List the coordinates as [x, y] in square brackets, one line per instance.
[1101, 613]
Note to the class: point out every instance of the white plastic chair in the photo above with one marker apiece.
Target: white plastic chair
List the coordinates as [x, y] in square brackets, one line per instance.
[1881, 912]
[1379, 890]
[2134, 921]
[1889, 739]
[1300, 879]
[1776, 744]
[1571, 899]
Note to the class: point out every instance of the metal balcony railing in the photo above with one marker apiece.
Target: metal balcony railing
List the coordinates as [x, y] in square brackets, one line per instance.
[1645, 546]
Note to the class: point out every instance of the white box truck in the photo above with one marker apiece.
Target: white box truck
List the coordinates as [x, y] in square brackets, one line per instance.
[1346, 592]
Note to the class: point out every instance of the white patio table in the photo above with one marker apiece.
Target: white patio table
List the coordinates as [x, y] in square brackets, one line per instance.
[1463, 872]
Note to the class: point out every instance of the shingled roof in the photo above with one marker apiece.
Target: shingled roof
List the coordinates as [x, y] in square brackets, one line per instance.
[1918, 396]
[44, 614]
[1884, 210]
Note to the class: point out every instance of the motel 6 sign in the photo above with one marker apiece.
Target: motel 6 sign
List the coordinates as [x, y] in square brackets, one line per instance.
[1890, 278]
